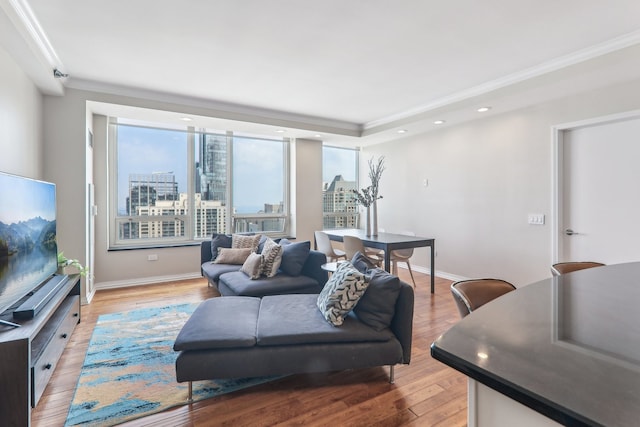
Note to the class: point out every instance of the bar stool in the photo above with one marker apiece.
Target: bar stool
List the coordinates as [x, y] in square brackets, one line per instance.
[568, 267]
[472, 294]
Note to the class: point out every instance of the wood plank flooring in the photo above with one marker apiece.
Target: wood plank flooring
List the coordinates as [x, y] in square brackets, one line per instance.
[425, 393]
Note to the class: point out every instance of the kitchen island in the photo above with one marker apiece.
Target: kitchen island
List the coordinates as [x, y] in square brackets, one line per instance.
[563, 350]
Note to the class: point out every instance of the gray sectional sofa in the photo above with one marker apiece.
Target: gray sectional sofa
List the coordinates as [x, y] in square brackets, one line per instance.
[235, 336]
[297, 276]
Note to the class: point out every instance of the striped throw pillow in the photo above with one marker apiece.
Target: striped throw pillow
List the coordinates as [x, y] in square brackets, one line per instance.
[271, 258]
[241, 241]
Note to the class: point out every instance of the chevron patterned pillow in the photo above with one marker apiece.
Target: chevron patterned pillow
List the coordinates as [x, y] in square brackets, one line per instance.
[271, 258]
[341, 293]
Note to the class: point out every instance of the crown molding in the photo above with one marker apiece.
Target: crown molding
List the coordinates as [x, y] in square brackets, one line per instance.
[223, 110]
[26, 42]
[577, 57]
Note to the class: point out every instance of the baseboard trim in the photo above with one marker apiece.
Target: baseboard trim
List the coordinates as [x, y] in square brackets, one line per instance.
[424, 270]
[145, 281]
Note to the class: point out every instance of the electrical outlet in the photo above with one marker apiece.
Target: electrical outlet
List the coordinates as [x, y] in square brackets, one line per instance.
[153, 257]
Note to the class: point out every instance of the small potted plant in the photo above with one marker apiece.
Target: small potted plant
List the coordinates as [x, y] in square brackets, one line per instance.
[64, 262]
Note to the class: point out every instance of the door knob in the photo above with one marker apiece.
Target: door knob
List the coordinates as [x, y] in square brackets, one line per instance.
[570, 232]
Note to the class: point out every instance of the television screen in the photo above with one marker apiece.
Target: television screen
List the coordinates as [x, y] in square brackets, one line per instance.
[28, 250]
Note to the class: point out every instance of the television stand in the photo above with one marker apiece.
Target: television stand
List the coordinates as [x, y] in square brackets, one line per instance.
[7, 323]
[30, 353]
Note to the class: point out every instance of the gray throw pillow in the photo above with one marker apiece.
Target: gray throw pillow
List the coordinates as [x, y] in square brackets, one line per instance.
[294, 255]
[219, 241]
[361, 262]
[377, 306]
[341, 293]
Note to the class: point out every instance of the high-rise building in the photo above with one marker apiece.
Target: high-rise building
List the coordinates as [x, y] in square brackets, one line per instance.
[339, 206]
[211, 181]
[157, 195]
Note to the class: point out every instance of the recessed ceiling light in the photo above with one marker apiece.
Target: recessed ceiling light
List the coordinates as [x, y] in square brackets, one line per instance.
[280, 130]
[402, 131]
[483, 109]
[317, 135]
[439, 122]
[186, 119]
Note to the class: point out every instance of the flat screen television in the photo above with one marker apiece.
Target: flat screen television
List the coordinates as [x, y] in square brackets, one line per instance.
[28, 249]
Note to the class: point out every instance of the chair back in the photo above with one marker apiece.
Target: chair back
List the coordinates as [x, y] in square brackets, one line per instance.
[405, 253]
[568, 267]
[352, 245]
[324, 244]
[469, 295]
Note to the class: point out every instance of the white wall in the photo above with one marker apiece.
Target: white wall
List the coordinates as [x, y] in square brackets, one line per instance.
[484, 178]
[20, 121]
[306, 188]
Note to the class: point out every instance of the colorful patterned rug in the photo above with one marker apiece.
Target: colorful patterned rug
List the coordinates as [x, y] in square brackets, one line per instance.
[129, 369]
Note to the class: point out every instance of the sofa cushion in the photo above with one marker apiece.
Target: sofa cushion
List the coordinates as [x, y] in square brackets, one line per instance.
[252, 267]
[341, 293]
[295, 319]
[377, 306]
[232, 255]
[220, 323]
[213, 271]
[241, 241]
[294, 255]
[271, 258]
[219, 241]
[237, 283]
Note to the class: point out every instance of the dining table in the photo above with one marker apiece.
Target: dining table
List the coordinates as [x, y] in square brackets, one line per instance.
[388, 242]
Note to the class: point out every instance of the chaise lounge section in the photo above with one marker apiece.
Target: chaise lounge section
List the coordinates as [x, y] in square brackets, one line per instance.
[238, 337]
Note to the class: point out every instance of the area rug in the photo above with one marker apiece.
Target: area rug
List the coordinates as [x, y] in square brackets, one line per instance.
[129, 369]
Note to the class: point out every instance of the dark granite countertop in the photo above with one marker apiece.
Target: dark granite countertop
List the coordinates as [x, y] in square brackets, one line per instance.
[567, 347]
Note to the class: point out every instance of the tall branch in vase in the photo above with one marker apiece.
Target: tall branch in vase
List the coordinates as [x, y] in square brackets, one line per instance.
[368, 196]
[375, 173]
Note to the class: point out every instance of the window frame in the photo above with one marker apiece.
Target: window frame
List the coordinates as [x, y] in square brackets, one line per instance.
[356, 213]
[189, 218]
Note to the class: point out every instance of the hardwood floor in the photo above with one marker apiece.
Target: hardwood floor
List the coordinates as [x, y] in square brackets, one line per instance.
[425, 393]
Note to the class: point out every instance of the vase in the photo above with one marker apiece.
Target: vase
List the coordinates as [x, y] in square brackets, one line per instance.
[374, 214]
[367, 230]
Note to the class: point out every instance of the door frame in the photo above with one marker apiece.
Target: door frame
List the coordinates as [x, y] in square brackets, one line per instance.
[557, 182]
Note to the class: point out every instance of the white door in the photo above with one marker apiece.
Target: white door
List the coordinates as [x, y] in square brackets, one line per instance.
[599, 213]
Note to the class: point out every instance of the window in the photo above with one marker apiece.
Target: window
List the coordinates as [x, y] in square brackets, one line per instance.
[174, 186]
[339, 173]
[258, 184]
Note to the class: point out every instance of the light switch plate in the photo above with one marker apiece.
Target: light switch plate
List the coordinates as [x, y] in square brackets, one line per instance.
[536, 219]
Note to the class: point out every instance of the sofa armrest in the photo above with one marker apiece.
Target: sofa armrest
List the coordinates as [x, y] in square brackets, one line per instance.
[205, 253]
[402, 322]
[313, 267]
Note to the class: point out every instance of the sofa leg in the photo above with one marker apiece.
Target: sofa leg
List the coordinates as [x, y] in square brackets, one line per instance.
[190, 396]
[392, 378]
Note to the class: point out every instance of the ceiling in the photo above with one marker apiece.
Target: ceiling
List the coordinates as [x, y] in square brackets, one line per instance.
[350, 70]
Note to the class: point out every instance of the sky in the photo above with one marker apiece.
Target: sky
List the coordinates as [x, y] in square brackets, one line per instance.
[257, 170]
[338, 161]
[22, 199]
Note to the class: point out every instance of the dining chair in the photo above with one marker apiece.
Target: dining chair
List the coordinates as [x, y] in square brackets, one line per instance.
[472, 294]
[324, 245]
[354, 244]
[561, 268]
[402, 255]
